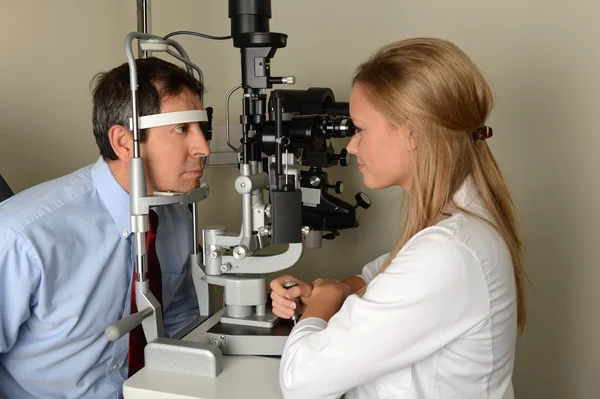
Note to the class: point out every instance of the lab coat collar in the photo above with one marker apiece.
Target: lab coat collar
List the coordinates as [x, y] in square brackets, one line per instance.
[466, 194]
[114, 197]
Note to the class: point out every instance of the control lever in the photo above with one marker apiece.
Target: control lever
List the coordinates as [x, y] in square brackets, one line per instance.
[362, 200]
[342, 157]
[338, 187]
[123, 326]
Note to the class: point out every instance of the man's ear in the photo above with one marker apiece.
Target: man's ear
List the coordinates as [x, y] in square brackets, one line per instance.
[121, 141]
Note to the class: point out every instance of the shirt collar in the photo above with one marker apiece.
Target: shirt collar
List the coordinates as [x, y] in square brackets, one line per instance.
[115, 198]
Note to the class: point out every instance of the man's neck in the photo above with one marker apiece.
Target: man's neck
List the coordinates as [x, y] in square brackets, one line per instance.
[120, 171]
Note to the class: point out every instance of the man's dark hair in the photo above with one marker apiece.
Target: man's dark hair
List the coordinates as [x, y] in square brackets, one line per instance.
[157, 80]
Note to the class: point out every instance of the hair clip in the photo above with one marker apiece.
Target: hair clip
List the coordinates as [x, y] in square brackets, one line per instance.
[483, 133]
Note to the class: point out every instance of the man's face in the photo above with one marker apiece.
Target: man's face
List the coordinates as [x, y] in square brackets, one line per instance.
[174, 154]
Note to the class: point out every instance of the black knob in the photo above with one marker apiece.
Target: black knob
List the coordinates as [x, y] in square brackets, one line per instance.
[362, 200]
[339, 187]
[344, 158]
[331, 235]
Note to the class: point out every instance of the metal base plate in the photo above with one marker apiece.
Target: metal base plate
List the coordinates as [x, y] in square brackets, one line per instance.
[253, 320]
[282, 328]
[190, 327]
[251, 340]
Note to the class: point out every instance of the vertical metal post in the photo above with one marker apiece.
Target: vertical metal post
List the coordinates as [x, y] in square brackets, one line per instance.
[195, 228]
[143, 23]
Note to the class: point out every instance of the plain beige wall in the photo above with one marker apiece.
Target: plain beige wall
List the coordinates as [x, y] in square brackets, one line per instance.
[50, 52]
[541, 58]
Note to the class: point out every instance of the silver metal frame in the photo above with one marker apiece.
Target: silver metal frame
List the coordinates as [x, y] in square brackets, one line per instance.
[161, 353]
[239, 271]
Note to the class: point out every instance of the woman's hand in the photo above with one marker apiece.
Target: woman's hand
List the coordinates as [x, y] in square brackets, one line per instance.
[327, 297]
[283, 299]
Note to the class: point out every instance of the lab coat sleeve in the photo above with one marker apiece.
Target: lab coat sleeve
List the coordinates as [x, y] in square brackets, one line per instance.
[370, 269]
[20, 275]
[432, 293]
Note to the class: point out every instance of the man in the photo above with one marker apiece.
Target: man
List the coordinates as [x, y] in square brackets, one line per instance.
[67, 253]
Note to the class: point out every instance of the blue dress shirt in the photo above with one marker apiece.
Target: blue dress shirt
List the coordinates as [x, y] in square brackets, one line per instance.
[66, 261]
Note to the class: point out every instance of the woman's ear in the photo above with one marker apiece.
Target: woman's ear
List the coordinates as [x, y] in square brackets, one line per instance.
[121, 141]
[412, 137]
[413, 140]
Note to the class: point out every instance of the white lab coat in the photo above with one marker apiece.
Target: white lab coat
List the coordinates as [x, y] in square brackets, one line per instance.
[439, 323]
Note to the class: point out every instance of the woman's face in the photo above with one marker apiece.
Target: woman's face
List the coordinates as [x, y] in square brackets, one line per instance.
[385, 152]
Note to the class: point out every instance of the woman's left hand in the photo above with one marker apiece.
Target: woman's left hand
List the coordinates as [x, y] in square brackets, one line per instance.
[327, 298]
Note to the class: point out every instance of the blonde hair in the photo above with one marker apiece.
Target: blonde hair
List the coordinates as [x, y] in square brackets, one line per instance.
[434, 86]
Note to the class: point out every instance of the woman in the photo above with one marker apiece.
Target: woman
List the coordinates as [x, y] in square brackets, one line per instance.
[438, 316]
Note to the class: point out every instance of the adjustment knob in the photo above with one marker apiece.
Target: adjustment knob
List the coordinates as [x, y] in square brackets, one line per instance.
[344, 158]
[339, 187]
[362, 200]
[331, 235]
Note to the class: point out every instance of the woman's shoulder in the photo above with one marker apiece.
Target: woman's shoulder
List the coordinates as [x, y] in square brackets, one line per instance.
[435, 246]
[462, 243]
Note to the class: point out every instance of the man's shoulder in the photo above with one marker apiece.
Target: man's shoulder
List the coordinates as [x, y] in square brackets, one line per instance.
[39, 201]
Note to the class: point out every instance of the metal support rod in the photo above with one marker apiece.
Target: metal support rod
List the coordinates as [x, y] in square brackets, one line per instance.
[141, 264]
[143, 23]
[195, 228]
[228, 135]
[189, 65]
[246, 205]
[247, 113]
[279, 133]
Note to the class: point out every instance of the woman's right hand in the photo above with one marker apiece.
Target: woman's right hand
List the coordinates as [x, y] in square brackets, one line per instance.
[283, 299]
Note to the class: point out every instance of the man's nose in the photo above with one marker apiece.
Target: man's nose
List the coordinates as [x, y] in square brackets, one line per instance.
[199, 146]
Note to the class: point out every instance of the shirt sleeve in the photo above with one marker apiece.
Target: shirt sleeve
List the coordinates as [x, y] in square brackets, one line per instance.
[432, 293]
[20, 274]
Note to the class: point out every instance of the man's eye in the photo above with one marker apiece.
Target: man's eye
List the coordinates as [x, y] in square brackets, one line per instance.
[181, 129]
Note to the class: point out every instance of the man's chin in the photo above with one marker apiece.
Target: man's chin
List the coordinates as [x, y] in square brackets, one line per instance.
[192, 186]
[185, 187]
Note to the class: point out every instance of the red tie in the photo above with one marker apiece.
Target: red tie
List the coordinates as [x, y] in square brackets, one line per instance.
[137, 340]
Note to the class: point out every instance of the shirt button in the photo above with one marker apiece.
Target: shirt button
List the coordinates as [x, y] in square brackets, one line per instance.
[116, 366]
[125, 233]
